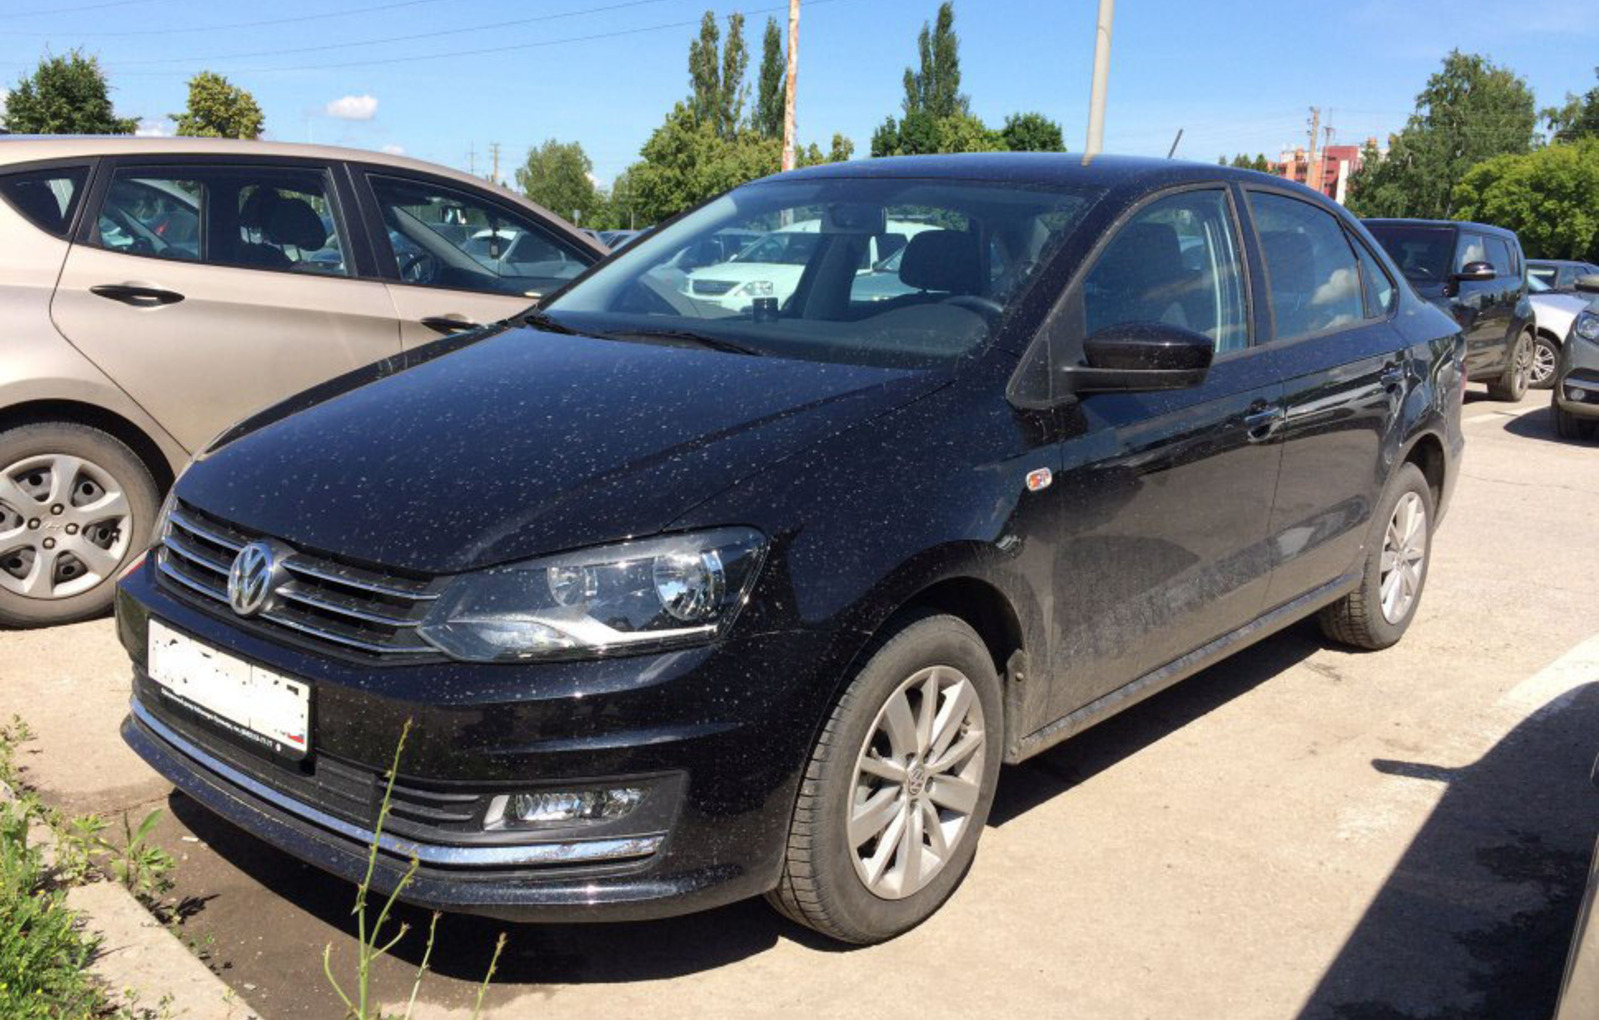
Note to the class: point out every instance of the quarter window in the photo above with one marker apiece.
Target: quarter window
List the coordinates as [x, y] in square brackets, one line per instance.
[1175, 262]
[1379, 288]
[444, 237]
[46, 198]
[1314, 282]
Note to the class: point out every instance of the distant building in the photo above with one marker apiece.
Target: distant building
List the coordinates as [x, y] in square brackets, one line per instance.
[1338, 163]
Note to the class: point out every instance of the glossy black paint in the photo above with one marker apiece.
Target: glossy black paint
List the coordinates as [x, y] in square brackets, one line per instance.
[1179, 525]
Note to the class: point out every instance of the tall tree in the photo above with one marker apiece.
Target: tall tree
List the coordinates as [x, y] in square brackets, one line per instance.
[735, 61]
[66, 95]
[219, 109]
[559, 176]
[769, 92]
[1470, 111]
[1549, 197]
[1032, 132]
[842, 149]
[1577, 118]
[935, 86]
[705, 70]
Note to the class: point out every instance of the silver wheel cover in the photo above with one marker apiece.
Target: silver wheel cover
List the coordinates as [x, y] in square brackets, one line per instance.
[65, 526]
[1404, 557]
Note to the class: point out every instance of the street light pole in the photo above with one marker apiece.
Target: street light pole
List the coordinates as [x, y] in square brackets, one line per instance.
[788, 88]
[1096, 101]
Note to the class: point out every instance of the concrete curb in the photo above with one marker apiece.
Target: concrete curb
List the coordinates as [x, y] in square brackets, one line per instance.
[137, 954]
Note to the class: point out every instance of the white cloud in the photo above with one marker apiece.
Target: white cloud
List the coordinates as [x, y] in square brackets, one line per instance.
[394, 150]
[353, 108]
[4, 95]
[159, 128]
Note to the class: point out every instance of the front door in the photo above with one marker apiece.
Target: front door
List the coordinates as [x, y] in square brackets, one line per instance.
[1480, 309]
[1166, 495]
[209, 291]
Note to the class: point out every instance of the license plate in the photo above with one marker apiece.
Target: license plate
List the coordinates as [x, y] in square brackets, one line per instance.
[263, 707]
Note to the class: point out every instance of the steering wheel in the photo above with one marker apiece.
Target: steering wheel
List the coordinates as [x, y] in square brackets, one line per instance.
[988, 308]
[410, 265]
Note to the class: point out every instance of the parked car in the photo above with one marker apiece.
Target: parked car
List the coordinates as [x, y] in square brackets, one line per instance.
[1553, 315]
[688, 604]
[1474, 272]
[1579, 987]
[154, 291]
[614, 239]
[1575, 396]
[1560, 275]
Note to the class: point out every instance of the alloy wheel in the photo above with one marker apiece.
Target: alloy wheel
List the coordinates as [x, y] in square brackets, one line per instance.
[916, 782]
[1543, 365]
[1404, 557]
[65, 526]
[1524, 362]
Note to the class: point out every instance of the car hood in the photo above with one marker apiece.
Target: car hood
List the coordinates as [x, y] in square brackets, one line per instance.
[1555, 311]
[526, 443]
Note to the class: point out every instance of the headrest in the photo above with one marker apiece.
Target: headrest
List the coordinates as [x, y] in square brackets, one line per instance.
[1144, 255]
[37, 202]
[293, 221]
[942, 260]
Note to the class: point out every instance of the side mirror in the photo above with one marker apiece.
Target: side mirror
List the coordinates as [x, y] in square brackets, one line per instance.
[1141, 356]
[1476, 271]
[1588, 284]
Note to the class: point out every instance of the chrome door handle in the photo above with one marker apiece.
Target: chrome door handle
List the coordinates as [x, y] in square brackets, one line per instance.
[1392, 377]
[136, 294]
[1261, 423]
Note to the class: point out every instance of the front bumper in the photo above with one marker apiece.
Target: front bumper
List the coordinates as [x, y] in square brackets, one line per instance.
[721, 732]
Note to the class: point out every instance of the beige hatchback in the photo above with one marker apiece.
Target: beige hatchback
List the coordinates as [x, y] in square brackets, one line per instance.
[155, 290]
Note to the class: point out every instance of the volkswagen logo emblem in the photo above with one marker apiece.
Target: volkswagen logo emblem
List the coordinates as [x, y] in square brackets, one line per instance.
[253, 578]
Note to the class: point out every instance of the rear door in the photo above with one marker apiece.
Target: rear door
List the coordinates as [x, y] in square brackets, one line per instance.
[1344, 373]
[456, 257]
[208, 289]
[1480, 309]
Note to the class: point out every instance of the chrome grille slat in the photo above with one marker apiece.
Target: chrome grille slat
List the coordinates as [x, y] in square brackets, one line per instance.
[171, 573]
[344, 606]
[181, 546]
[233, 543]
[328, 634]
[300, 565]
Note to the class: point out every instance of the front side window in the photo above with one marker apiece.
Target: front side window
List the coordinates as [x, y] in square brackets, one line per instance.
[1175, 262]
[1313, 280]
[1421, 251]
[869, 271]
[1548, 275]
[1499, 254]
[46, 198]
[1472, 248]
[446, 237]
[246, 217]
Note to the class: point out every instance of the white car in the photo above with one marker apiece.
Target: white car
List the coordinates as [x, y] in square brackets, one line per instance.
[771, 266]
[1553, 314]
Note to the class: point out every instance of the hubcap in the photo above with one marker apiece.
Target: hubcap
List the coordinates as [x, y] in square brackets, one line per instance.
[1543, 364]
[916, 782]
[1404, 557]
[65, 526]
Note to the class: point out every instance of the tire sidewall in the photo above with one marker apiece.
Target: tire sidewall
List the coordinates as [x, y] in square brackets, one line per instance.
[112, 456]
[929, 641]
[1407, 479]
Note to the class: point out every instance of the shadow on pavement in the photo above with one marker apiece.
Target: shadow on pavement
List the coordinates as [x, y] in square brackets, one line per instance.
[1475, 919]
[1540, 424]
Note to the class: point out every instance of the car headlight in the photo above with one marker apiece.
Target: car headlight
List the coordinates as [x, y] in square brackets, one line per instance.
[635, 596]
[1587, 327]
[756, 288]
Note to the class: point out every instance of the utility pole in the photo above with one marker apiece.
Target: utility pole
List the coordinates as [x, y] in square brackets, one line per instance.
[1312, 165]
[1096, 100]
[788, 90]
[494, 154]
[471, 159]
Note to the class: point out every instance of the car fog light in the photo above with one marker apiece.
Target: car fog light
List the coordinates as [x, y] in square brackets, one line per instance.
[561, 807]
[1577, 393]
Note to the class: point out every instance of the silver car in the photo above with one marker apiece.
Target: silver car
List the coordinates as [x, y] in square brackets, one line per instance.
[155, 290]
[1575, 398]
[1553, 315]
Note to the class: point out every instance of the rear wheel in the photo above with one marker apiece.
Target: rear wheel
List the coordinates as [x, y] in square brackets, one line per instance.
[1545, 357]
[76, 506]
[1377, 614]
[1513, 384]
[898, 786]
[1569, 426]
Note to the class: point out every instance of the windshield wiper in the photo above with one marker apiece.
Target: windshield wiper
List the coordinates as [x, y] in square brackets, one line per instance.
[540, 320]
[714, 343]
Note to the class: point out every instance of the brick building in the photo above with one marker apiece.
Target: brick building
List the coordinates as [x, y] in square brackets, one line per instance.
[1338, 164]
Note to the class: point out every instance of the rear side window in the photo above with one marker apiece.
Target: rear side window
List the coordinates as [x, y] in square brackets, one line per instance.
[46, 198]
[1314, 282]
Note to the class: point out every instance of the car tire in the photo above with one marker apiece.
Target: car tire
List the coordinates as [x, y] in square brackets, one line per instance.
[1545, 362]
[872, 890]
[1512, 385]
[1366, 618]
[84, 527]
[1568, 425]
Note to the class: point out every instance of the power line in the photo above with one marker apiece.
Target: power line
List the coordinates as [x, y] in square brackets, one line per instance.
[434, 34]
[84, 7]
[294, 20]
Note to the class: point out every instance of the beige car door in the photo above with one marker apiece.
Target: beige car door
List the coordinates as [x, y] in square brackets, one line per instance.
[459, 257]
[208, 291]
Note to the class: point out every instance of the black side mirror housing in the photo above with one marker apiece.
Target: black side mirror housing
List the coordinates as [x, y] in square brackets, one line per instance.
[1588, 284]
[1137, 357]
[1476, 271]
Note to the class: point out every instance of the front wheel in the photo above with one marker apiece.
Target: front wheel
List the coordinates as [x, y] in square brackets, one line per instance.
[1377, 614]
[1545, 359]
[1569, 426]
[1512, 386]
[898, 786]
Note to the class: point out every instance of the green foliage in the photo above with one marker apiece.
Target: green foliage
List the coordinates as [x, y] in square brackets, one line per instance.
[66, 95]
[773, 81]
[717, 91]
[934, 87]
[1244, 161]
[138, 864]
[922, 134]
[1470, 111]
[1577, 118]
[1032, 132]
[841, 150]
[1549, 197]
[557, 175]
[685, 162]
[219, 109]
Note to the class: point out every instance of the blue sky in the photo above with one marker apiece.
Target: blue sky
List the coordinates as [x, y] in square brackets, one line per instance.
[440, 78]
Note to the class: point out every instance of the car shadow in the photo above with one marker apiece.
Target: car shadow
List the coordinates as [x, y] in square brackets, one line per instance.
[1475, 918]
[1540, 424]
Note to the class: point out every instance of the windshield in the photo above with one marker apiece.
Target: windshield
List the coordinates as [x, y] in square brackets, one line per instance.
[1423, 252]
[869, 271]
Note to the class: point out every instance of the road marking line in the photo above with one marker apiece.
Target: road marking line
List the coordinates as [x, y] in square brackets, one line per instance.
[1499, 415]
[1558, 681]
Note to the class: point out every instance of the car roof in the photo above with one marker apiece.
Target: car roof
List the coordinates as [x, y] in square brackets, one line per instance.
[1558, 262]
[1043, 168]
[29, 148]
[1488, 228]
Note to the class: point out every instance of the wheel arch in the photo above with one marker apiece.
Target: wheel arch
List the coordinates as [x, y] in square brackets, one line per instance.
[1426, 451]
[143, 445]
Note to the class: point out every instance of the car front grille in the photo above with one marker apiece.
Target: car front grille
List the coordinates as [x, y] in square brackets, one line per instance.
[713, 288]
[323, 602]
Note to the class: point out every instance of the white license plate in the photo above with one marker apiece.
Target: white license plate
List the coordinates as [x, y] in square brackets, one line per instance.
[259, 705]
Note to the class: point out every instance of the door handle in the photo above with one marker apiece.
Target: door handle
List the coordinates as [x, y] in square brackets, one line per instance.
[447, 324]
[137, 295]
[1262, 422]
[1392, 377]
